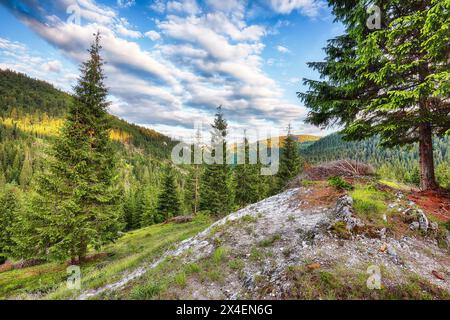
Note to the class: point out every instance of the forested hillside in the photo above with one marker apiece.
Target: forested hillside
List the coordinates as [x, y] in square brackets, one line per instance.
[32, 113]
[399, 163]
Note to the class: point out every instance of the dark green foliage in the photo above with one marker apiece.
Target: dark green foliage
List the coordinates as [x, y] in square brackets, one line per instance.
[247, 179]
[9, 211]
[391, 82]
[215, 190]
[77, 200]
[339, 183]
[20, 95]
[168, 202]
[397, 163]
[289, 161]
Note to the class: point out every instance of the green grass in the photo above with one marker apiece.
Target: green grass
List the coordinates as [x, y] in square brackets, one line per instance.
[339, 183]
[219, 255]
[339, 282]
[269, 241]
[369, 203]
[48, 281]
[395, 185]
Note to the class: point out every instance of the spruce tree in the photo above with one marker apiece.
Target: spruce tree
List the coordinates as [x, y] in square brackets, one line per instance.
[9, 211]
[215, 190]
[289, 160]
[247, 180]
[148, 205]
[392, 82]
[168, 202]
[77, 201]
[27, 171]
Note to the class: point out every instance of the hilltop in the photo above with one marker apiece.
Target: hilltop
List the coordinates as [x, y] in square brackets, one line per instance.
[323, 239]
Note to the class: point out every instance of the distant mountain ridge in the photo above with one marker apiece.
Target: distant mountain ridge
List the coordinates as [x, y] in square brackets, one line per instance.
[25, 102]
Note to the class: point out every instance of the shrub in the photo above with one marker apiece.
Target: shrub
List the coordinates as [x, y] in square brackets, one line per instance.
[3, 258]
[219, 254]
[180, 279]
[146, 292]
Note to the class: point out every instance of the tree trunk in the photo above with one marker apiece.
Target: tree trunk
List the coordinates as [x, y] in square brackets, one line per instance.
[427, 177]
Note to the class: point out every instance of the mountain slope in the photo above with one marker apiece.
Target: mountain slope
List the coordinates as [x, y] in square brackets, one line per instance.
[399, 163]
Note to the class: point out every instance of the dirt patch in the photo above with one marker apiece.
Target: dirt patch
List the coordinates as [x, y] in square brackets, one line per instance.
[7, 266]
[436, 203]
[320, 195]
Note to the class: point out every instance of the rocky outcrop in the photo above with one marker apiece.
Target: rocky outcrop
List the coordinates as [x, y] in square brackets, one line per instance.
[344, 212]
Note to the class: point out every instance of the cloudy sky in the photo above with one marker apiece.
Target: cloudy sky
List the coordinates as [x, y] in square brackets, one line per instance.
[170, 63]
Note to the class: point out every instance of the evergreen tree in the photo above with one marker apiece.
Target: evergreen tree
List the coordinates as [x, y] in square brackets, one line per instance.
[168, 202]
[27, 171]
[192, 194]
[215, 190]
[391, 82]
[129, 210]
[289, 160]
[149, 203]
[77, 202]
[9, 210]
[247, 179]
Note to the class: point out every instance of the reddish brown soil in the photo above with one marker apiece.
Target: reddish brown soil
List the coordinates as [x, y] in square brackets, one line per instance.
[436, 203]
[321, 195]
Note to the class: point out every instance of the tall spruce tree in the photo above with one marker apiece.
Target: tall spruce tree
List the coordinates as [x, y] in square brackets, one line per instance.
[215, 190]
[392, 82]
[77, 201]
[168, 201]
[247, 179]
[289, 160]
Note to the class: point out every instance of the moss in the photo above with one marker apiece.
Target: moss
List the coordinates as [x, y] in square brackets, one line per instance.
[256, 254]
[339, 228]
[369, 203]
[249, 219]
[339, 183]
[236, 264]
[269, 241]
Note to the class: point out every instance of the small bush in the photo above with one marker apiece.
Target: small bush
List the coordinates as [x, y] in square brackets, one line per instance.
[269, 241]
[3, 258]
[236, 264]
[192, 268]
[180, 279]
[447, 225]
[219, 254]
[339, 183]
[146, 292]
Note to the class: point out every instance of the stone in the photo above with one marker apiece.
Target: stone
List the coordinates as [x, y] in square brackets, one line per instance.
[423, 220]
[414, 226]
[434, 226]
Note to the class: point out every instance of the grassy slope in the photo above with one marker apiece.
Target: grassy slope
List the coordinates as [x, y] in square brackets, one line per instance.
[48, 281]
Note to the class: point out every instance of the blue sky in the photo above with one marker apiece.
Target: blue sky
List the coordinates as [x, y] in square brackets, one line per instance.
[170, 63]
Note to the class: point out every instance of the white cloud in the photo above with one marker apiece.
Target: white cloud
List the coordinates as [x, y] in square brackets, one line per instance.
[210, 58]
[307, 7]
[122, 30]
[153, 35]
[53, 66]
[183, 6]
[282, 49]
[126, 3]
